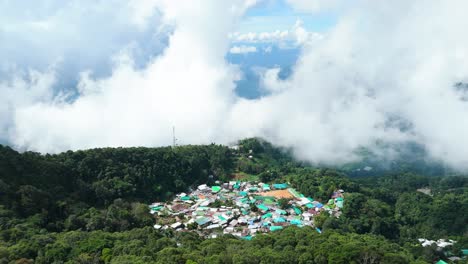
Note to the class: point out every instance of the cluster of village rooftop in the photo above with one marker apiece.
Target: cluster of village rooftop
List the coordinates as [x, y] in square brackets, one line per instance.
[242, 209]
[441, 245]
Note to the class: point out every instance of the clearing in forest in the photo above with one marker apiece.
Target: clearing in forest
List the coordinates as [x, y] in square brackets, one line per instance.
[278, 194]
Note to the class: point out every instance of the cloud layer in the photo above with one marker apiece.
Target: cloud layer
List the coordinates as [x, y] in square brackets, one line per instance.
[243, 49]
[189, 86]
[296, 36]
[82, 34]
[385, 74]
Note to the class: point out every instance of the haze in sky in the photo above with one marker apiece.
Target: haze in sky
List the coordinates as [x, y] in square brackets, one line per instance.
[324, 77]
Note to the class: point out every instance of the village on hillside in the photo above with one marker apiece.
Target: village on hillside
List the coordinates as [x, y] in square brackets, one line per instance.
[242, 209]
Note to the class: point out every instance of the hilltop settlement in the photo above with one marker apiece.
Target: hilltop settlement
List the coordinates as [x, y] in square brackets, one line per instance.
[242, 209]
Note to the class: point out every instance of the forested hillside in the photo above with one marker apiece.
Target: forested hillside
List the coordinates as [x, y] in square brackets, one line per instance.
[91, 207]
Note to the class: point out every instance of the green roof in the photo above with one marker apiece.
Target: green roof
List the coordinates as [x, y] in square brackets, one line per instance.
[279, 220]
[220, 217]
[262, 207]
[156, 208]
[280, 185]
[310, 199]
[282, 212]
[260, 197]
[274, 228]
[267, 215]
[185, 198]
[296, 222]
[309, 205]
[216, 189]
[247, 238]
[253, 189]
[202, 220]
[441, 262]
[465, 252]
[243, 193]
[294, 192]
[339, 199]
[339, 204]
[297, 210]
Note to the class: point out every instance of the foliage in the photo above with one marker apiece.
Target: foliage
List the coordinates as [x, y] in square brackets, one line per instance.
[91, 207]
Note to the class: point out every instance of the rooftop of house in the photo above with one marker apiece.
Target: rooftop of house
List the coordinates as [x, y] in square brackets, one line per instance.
[242, 209]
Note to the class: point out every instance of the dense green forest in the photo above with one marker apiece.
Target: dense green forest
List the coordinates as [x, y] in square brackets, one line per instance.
[91, 207]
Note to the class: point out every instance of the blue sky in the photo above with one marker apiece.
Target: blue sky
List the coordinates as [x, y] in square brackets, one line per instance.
[250, 64]
[271, 16]
[278, 15]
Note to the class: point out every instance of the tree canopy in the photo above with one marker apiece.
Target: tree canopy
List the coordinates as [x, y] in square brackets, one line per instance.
[91, 206]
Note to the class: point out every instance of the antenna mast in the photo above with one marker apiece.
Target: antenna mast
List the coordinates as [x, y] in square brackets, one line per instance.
[174, 140]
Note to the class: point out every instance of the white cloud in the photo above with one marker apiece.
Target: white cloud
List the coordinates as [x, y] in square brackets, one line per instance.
[22, 90]
[271, 82]
[77, 34]
[190, 90]
[243, 49]
[382, 62]
[297, 35]
[268, 49]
